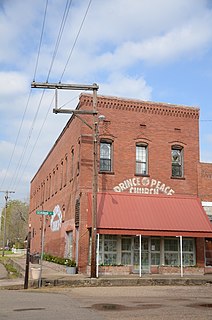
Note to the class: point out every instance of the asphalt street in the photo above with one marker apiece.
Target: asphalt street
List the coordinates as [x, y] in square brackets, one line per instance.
[159, 302]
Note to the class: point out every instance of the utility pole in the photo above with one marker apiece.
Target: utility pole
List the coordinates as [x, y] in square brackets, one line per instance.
[5, 218]
[94, 129]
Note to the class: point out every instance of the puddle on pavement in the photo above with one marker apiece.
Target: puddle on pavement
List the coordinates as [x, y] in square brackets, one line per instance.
[201, 305]
[120, 307]
[29, 309]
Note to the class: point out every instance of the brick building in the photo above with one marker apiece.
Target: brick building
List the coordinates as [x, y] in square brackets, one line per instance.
[151, 190]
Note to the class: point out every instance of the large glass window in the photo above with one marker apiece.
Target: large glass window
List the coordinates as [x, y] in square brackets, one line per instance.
[105, 156]
[208, 252]
[155, 251]
[172, 252]
[188, 252]
[141, 159]
[177, 161]
[126, 249]
[108, 250]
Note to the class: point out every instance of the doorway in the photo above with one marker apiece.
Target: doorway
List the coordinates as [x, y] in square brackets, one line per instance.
[145, 255]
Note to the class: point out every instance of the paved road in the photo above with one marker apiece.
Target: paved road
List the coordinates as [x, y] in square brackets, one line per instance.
[133, 303]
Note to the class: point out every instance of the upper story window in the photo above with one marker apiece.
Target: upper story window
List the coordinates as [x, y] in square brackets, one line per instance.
[105, 156]
[141, 159]
[177, 161]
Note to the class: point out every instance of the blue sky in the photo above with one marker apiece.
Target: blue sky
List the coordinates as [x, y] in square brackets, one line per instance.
[156, 50]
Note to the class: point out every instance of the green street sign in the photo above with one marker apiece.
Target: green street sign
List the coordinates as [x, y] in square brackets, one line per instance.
[44, 212]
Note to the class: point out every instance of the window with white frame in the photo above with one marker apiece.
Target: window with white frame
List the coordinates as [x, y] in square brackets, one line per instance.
[126, 250]
[172, 252]
[108, 249]
[141, 159]
[177, 161]
[189, 257]
[155, 251]
[105, 156]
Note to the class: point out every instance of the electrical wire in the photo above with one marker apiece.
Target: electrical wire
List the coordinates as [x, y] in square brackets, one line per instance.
[33, 148]
[41, 38]
[63, 22]
[75, 41]
[62, 26]
[65, 15]
[15, 176]
[26, 108]
[16, 141]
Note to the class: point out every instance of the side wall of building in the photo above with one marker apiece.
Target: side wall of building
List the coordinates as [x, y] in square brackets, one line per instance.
[65, 178]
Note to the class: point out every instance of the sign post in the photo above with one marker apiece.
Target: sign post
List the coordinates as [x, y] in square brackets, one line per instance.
[43, 213]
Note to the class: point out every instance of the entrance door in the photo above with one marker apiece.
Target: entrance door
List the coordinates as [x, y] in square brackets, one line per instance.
[145, 256]
[69, 244]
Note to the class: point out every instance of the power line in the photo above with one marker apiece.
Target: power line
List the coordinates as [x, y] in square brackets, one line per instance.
[17, 137]
[41, 38]
[74, 44]
[33, 148]
[26, 143]
[65, 15]
[28, 100]
[62, 26]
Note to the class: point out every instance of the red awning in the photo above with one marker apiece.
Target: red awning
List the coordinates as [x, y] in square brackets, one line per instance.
[151, 215]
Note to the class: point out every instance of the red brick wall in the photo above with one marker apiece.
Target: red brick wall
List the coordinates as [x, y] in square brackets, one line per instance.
[205, 181]
[127, 122]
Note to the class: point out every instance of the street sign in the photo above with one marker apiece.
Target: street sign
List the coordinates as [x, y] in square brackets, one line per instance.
[44, 212]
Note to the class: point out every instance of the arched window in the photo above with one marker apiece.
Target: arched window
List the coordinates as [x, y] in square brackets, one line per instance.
[142, 158]
[105, 156]
[177, 161]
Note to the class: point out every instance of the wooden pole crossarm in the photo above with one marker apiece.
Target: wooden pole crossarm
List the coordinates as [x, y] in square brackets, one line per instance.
[46, 85]
[75, 112]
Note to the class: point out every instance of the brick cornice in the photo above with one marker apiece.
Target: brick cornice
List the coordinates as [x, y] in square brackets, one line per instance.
[148, 107]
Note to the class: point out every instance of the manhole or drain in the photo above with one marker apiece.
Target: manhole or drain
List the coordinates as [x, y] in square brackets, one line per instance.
[29, 309]
[108, 306]
[201, 305]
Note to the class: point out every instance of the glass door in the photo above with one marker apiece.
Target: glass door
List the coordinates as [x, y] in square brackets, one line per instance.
[145, 256]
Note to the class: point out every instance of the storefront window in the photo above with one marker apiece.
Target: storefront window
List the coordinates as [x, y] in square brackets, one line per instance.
[108, 249]
[155, 251]
[126, 250]
[172, 252]
[188, 252]
[208, 252]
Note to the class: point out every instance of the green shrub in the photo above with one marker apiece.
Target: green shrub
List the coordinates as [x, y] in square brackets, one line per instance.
[59, 260]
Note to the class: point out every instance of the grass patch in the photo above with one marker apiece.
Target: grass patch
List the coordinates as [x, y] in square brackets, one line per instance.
[12, 272]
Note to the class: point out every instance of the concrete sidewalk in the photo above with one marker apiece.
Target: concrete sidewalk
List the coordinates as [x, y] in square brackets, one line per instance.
[55, 275]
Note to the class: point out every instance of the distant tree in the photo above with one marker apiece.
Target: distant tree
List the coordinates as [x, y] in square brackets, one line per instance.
[16, 223]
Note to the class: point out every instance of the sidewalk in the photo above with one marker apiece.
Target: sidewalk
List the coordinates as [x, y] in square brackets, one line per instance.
[55, 275]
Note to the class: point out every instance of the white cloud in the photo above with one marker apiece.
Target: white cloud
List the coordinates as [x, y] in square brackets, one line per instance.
[125, 86]
[118, 38]
[12, 83]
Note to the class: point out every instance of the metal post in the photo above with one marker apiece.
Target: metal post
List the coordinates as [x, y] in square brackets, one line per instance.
[140, 252]
[42, 249]
[97, 260]
[181, 256]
